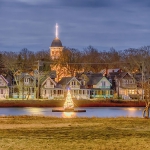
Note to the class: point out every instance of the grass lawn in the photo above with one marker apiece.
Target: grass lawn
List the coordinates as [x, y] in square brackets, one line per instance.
[48, 133]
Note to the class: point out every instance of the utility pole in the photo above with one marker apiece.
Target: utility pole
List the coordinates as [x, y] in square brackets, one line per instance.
[142, 80]
[38, 90]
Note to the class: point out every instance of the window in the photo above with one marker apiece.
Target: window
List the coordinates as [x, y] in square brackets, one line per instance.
[83, 92]
[111, 92]
[87, 91]
[80, 92]
[54, 91]
[131, 81]
[73, 82]
[103, 92]
[26, 80]
[103, 83]
[32, 89]
[75, 92]
[1, 91]
[131, 92]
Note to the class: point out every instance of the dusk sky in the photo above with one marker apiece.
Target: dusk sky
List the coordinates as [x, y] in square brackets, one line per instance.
[103, 24]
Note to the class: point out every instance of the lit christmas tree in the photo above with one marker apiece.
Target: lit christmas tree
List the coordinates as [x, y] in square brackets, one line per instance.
[68, 105]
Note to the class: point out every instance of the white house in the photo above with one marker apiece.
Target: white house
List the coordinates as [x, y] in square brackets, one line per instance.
[49, 90]
[75, 86]
[4, 89]
[100, 87]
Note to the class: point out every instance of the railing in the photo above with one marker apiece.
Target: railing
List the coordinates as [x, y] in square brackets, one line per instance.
[75, 86]
[104, 87]
[128, 85]
[49, 86]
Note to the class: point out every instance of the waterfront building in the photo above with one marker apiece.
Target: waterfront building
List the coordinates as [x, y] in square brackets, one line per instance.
[24, 86]
[50, 90]
[74, 85]
[4, 89]
[127, 86]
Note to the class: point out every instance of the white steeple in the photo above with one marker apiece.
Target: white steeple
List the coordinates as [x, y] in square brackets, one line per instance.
[56, 31]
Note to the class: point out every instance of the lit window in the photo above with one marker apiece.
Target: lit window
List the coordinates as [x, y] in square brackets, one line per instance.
[1, 91]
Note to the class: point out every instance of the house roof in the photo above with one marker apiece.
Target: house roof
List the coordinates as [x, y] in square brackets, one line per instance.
[66, 80]
[23, 75]
[123, 74]
[1, 76]
[94, 74]
[88, 74]
[95, 80]
[50, 79]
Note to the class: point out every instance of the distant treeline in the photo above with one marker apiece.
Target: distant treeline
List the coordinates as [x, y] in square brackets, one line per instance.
[89, 59]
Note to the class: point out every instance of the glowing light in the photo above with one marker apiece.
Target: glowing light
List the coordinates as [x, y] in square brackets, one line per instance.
[35, 111]
[131, 109]
[56, 30]
[68, 114]
[68, 102]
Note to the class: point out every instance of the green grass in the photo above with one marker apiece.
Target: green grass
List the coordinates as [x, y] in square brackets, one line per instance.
[46, 133]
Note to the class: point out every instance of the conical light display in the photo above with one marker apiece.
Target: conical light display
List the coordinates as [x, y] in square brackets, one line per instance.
[68, 102]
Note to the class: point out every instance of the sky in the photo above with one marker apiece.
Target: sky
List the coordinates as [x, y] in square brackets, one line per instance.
[103, 24]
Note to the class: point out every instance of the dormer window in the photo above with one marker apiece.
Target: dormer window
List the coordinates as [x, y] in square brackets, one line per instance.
[27, 80]
[103, 83]
[73, 83]
[131, 81]
[125, 81]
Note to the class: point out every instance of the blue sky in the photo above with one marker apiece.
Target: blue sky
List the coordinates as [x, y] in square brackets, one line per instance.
[103, 24]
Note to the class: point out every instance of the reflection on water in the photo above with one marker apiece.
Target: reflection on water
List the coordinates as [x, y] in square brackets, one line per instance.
[35, 110]
[69, 114]
[132, 108]
[90, 112]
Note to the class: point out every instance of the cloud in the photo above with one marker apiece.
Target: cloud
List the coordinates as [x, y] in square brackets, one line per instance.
[30, 2]
[100, 23]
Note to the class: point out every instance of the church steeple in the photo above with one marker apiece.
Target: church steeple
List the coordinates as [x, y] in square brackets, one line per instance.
[56, 45]
[56, 31]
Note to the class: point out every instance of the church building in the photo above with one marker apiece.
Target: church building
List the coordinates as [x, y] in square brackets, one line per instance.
[56, 49]
[56, 46]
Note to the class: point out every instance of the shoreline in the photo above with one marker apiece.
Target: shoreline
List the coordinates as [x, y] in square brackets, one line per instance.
[77, 103]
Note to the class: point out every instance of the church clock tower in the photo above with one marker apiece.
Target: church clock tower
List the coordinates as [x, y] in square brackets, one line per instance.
[56, 46]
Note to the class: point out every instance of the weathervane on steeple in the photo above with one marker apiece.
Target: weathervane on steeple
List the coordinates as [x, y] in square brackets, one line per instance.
[56, 30]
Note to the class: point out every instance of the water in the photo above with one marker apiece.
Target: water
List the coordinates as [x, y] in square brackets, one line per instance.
[90, 112]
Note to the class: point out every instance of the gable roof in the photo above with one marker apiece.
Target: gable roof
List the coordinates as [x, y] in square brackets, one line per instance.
[123, 74]
[66, 80]
[50, 80]
[95, 80]
[24, 75]
[1, 76]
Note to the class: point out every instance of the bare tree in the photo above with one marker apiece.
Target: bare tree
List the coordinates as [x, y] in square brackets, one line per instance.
[147, 99]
